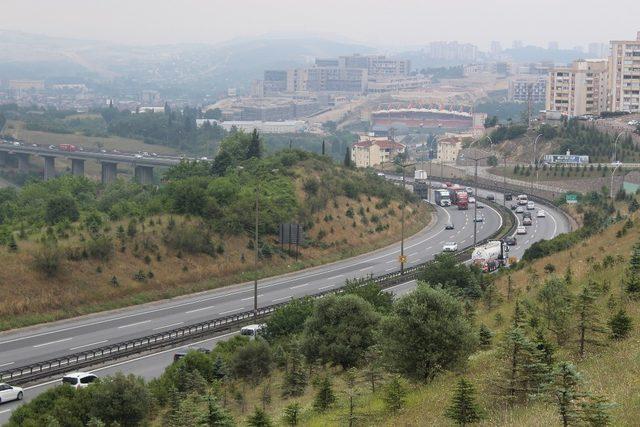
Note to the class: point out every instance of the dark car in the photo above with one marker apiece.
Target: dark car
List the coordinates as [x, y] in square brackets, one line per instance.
[508, 197]
[511, 241]
[490, 197]
[449, 226]
[479, 206]
[182, 353]
[514, 206]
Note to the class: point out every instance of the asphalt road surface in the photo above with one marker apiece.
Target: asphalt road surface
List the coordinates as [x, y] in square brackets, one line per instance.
[24, 346]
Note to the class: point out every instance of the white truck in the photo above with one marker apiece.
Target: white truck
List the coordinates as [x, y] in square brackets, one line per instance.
[491, 255]
[420, 175]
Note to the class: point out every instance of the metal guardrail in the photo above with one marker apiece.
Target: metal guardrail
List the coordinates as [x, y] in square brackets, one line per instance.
[49, 368]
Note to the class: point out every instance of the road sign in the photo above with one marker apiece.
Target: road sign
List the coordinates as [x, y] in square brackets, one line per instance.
[571, 198]
[402, 259]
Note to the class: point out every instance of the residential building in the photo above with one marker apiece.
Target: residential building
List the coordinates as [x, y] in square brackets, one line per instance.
[525, 88]
[327, 79]
[372, 152]
[448, 149]
[453, 51]
[578, 89]
[376, 65]
[26, 85]
[624, 75]
[274, 81]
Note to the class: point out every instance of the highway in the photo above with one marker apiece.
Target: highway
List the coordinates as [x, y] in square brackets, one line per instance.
[28, 345]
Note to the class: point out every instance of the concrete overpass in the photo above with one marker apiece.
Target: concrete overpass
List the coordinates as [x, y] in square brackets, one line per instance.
[142, 165]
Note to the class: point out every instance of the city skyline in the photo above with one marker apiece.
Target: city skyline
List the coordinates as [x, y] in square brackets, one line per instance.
[145, 22]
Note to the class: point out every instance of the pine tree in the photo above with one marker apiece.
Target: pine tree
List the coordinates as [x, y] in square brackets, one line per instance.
[373, 371]
[620, 325]
[524, 373]
[325, 396]
[594, 411]
[323, 148]
[12, 245]
[485, 336]
[464, 410]
[634, 261]
[589, 326]
[567, 380]
[216, 416]
[259, 418]
[295, 378]
[347, 158]
[395, 394]
[219, 370]
[291, 415]
[254, 149]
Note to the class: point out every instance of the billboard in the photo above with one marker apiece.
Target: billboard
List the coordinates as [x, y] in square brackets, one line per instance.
[569, 159]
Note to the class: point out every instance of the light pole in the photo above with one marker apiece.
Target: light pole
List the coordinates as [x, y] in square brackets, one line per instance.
[475, 192]
[256, 253]
[533, 159]
[538, 171]
[615, 144]
[617, 165]
[402, 258]
[504, 182]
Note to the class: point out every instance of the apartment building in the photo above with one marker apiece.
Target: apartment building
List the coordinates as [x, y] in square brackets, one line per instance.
[449, 149]
[578, 89]
[624, 75]
[327, 79]
[523, 88]
[375, 151]
[376, 65]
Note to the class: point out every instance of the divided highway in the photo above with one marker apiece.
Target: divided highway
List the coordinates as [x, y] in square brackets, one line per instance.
[24, 346]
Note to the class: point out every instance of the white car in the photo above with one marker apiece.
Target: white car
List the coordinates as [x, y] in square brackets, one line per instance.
[204, 158]
[8, 392]
[252, 331]
[541, 214]
[450, 247]
[469, 190]
[472, 199]
[138, 156]
[479, 218]
[519, 209]
[521, 230]
[79, 379]
[531, 206]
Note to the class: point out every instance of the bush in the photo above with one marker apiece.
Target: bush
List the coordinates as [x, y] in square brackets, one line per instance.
[190, 239]
[100, 247]
[620, 325]
[289, 319]
[61, 208]
[252, 362]
[48, 259]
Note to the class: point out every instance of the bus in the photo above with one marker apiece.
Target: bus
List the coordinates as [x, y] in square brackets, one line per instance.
[522, 199]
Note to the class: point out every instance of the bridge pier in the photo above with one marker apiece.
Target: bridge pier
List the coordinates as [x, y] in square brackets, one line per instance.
[49, 167]
[3, 158]
[143, 174]
[77, 167]
[23, 162]
[109, 172]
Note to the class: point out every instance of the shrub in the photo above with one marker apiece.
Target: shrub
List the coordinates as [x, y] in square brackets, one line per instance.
[190, 239]
[100, 247]
[47, 259]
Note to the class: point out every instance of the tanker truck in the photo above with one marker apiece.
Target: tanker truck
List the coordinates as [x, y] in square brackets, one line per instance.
[491, 255]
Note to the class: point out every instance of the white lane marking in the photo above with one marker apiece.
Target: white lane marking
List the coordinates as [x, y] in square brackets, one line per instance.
[335, 277]
[88, 345]
[300, 286]
[390, 269]
[200, 309]
[6, 364]
[326, 287]
[231, 311]
[52, 342]
[366, 268]
[168, 326]
[5, 411]
[250, 298]
[281, 299]
[415, 253]
[429, 247]
[134, 324]
[390, 261]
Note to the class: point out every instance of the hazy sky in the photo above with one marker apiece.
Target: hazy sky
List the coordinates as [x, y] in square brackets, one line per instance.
[380, 22]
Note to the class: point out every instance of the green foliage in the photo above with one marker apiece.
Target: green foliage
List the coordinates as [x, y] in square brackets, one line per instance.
[295, 378]
[325, 396]
[620, 325]
[381, 300]
[291, 416]
[503, 133]
[190, 239]
[555, 307]
[116, 400]
[339, 330]
[445, 270]
[566, 393]
[252, 362]
[289, 319]
[588, 314]
[464, 409]
[394, 394]
[259, 418]
[48, 259]
[60, 209]
[426, 332]
[485, 335]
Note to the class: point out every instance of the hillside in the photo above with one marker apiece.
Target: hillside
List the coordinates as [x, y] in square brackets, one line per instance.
[74, 247]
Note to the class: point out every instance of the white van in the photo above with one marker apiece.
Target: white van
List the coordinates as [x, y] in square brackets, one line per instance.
[530, 206]
[252, 331]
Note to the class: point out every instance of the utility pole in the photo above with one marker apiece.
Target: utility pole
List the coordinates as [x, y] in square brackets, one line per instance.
[504, 182]
[256, 252]
[475, 192]
[402, 258]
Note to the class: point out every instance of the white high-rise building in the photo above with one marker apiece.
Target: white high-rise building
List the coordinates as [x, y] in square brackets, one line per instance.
[578, 89]
[624, 75]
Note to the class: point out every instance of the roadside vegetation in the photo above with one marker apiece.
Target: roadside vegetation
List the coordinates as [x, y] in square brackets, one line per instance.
[72, 246]
[552, 342]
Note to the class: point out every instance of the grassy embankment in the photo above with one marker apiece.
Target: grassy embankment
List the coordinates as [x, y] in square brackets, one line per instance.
[85, 286]
[610, 370]
[556, 174]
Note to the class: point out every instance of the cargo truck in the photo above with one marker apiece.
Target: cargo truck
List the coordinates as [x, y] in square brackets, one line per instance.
[491, 255]
[442, 198]
[67, 147]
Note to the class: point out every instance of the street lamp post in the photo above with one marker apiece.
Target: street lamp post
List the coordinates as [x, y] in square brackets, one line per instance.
[404, 189]
[615, 145]
[617, 165]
